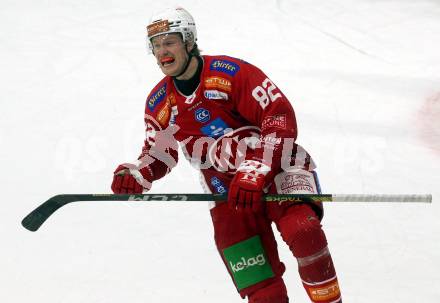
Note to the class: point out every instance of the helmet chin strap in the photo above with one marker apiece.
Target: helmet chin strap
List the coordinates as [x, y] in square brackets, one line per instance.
[186, 65]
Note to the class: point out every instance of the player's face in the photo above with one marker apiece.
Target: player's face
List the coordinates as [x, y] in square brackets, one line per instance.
[170, 53]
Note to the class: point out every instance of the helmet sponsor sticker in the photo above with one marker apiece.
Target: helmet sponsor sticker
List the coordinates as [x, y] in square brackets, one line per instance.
[218, 83]
[248, 263]
[215, 95]
[158, 27]
[225, 66]
[157, 97]
[202, 115]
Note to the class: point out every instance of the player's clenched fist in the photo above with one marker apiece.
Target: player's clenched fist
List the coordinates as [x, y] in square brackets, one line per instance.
[131, 180]
[246, 188]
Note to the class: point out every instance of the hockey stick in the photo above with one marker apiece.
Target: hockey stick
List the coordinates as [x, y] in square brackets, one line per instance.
[38, 216]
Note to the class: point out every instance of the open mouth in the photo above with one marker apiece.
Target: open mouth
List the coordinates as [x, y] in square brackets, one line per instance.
[166, 61]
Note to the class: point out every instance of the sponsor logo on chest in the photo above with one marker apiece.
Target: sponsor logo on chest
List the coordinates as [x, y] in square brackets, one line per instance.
[194, 106]
[215, 128]
[225, 66]
[215, 95]
[157, 97]
[218, 83]
[202, 115]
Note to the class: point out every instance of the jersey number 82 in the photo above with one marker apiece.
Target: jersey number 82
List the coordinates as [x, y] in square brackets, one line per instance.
[264, 94]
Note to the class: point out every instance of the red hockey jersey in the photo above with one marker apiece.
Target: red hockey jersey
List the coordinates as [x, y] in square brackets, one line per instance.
[236, 113]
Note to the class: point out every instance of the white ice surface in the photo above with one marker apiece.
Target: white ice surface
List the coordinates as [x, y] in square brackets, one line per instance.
[363, 77]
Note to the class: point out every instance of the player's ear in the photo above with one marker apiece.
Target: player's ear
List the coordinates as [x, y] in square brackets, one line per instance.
[189, 46]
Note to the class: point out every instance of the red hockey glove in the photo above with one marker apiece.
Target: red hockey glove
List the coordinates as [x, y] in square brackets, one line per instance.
[246, 188]
[131, 180]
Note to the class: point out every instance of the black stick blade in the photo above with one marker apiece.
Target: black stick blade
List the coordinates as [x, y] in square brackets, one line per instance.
[38, 216]
[33, 221]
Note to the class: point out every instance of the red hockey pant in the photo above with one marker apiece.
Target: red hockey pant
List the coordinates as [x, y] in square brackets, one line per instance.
[301, 230]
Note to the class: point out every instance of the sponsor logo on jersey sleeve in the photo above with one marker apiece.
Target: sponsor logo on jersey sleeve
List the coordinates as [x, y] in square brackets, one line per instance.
[156, 97]
[218, 83]
[215, 95]
[202, 115]
[277, 121]
[215, 128]
[225, 66]
[163, 115]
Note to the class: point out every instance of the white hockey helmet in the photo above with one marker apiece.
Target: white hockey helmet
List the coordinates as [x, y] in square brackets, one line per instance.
[172, 20]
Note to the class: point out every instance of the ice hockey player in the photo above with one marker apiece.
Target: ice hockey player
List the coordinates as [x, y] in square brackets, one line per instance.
[239, 129]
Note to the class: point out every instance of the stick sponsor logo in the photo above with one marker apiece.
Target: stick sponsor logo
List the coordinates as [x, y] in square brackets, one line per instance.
[283, 199]
[157, 198]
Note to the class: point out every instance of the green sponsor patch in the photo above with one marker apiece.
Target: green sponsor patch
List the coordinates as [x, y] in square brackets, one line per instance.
[248, 262]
